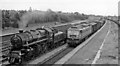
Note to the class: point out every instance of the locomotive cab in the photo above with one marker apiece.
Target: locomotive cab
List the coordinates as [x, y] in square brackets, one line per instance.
[74, 35]
[77, 34]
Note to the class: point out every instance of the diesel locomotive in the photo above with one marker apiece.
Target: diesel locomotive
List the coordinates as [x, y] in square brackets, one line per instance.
[79, 33]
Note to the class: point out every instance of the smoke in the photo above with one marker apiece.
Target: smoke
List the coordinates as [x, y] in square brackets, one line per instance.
[31, 17]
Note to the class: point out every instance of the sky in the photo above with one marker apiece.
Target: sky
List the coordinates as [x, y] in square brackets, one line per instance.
[97, 7]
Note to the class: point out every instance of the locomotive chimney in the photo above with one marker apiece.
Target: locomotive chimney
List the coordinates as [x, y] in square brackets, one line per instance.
[20, 30]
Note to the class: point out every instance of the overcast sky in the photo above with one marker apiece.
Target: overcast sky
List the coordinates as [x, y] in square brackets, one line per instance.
[98, 7]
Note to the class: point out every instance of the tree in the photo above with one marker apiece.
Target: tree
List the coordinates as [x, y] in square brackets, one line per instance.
[76, 13]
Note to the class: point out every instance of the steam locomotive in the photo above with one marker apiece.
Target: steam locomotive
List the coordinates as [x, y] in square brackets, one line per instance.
[28, 44]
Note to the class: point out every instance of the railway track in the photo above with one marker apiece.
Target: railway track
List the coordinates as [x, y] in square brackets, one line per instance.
[42, 57]
[49, 60]
[58, 56]
[4, 49]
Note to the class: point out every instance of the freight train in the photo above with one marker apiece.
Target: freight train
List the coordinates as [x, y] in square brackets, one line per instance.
[79, 33]
[31, 43]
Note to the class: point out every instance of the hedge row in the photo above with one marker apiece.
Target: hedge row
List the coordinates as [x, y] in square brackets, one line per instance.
[16, 19]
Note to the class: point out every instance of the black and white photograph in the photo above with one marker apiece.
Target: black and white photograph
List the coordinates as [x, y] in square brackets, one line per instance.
[59, 32]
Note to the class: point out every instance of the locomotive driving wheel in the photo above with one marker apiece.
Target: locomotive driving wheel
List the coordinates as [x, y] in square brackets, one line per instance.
[30, 54]
[51, 45]
[37, 50]
[44, 47]
[13, 60]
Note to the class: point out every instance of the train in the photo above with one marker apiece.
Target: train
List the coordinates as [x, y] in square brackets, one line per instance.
[79, 33]
[28, 44]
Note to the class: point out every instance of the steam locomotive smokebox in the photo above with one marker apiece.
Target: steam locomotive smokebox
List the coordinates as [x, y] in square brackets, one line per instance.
[20, 30]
